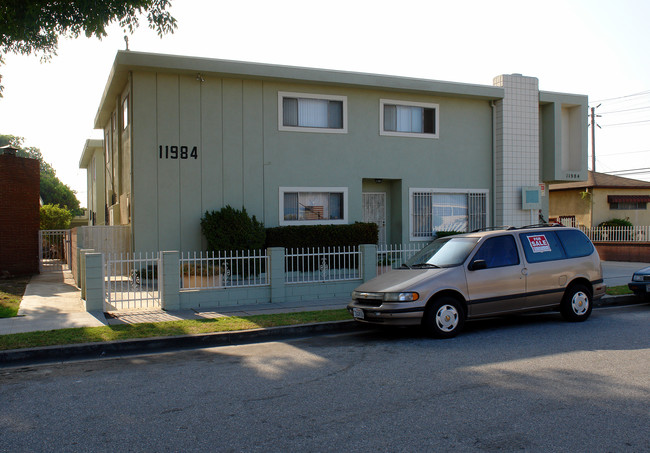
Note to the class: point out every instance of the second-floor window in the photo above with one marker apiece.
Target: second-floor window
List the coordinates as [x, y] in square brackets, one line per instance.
[312, 113]
[409, 119]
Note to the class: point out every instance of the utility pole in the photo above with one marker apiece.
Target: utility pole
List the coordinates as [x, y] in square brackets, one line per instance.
[593, 137]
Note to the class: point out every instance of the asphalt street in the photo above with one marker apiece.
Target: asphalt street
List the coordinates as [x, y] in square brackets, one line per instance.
[532, 383]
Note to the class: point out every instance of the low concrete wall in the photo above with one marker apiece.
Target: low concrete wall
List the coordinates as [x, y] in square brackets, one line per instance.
[624, 251]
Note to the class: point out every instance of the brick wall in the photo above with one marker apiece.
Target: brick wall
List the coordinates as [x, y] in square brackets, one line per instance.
[624, 251]
[19, 215]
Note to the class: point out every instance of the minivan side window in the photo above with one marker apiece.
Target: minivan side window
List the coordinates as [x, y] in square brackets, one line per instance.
[541, 246]
[575, 243]
[498, 251]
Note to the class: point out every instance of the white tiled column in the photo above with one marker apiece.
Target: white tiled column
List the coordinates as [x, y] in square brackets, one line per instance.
[517, 147]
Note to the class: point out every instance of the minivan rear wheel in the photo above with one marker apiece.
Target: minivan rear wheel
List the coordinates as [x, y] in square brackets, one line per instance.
[576, 304]
[444, 317]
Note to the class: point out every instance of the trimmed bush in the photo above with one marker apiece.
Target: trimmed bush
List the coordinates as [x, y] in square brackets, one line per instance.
[322, 235]
[232, 229]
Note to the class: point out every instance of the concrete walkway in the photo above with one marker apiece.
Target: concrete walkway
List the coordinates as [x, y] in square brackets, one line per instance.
[52, 301]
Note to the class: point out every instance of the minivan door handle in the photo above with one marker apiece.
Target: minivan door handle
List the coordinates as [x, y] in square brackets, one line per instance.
[524, 271]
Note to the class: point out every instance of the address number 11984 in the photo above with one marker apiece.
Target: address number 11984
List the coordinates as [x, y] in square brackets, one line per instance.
[178, 152]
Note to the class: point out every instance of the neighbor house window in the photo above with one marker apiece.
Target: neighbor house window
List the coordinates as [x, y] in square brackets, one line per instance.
[125, 112]
[408, 119]
[433, 210]
[628, 202]
[312, 112]
[313, 205]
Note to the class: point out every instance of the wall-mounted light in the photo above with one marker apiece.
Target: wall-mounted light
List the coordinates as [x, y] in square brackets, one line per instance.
[379, 180]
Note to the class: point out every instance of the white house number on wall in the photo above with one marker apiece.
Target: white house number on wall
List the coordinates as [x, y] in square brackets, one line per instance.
[178, 152]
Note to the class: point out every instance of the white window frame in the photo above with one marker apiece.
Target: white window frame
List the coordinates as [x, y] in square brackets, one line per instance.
[322, 130]
[343, 190]
[426, 105]
[434, 191]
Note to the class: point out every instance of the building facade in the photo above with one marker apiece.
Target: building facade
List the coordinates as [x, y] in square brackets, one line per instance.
[599, 199]
[298, 146]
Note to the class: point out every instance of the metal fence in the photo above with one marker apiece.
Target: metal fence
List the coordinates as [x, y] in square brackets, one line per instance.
[212, 270]
[54, 251]
[618, 234]
[132, 281]
[312, 265]
[391, 256]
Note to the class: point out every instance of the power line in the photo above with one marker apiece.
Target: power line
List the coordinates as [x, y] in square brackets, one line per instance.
[625, 124]
[626, 110]
[626, 152]
[623, 97]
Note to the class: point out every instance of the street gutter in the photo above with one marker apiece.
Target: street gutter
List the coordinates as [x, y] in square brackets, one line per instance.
[99, 350]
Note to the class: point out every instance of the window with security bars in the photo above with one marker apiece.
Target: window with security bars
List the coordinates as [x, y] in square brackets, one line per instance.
[433, 211]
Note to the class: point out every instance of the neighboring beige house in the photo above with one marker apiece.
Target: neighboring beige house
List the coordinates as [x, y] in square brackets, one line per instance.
[602, 197]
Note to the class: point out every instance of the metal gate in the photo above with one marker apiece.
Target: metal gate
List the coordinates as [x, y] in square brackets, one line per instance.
[374, 210]
[132, 282]
[55, 250]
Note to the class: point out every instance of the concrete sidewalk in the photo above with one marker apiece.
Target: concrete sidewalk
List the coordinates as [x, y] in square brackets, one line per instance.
[52, 301]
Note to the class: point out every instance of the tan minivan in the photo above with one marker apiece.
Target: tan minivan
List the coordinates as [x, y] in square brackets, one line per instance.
[486, 273]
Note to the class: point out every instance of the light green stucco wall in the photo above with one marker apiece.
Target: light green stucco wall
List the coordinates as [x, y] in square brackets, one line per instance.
[243, 158]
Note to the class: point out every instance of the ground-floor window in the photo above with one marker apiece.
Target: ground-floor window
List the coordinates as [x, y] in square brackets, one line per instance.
[313, 205]
[433, 210]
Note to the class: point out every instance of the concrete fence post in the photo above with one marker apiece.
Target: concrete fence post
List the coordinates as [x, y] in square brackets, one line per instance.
[369, 261]
[81, 269]
[94, 281]
[276, 257]
[170, 286]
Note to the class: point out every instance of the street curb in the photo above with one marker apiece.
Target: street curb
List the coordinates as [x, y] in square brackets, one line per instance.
[158, 344]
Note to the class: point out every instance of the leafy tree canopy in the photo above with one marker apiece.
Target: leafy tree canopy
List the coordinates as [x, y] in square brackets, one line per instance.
[54, 217]
[34, 26]
[52, 190]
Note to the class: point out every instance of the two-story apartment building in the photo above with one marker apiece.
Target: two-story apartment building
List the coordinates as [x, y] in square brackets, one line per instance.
[298, 146]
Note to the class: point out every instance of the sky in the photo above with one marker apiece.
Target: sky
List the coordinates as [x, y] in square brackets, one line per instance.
[591, 47]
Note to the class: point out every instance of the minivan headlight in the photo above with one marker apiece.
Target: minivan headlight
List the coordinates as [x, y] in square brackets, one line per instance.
[401, 297]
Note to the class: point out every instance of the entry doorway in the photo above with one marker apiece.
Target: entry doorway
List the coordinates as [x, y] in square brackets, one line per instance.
[374, 210]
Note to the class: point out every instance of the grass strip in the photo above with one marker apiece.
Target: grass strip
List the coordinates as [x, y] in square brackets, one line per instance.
[618, 290]
[165, 329]
[11, 293]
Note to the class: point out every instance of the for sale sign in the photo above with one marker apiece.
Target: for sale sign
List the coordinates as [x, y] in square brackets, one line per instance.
[539, 243]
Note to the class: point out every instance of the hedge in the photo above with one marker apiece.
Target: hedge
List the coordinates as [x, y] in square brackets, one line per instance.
[322, 235]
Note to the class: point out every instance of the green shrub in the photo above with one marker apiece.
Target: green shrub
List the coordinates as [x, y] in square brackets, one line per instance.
[615, 223]
[232, 229]
[54, 217]
[322, 235]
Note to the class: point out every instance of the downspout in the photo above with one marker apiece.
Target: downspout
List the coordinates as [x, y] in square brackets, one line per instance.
[494, 161]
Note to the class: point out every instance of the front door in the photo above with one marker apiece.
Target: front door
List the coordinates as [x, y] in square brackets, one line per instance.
[374, 210]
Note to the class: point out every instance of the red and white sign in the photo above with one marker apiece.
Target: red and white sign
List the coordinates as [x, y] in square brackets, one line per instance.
[539, 243]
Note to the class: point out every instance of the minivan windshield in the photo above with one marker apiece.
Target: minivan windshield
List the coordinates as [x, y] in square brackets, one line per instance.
[443, 252]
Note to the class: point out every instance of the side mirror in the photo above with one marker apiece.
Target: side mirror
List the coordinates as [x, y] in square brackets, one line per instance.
[477, 265]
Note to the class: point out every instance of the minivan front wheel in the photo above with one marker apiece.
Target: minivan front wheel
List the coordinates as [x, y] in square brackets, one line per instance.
[444, 317]
[576, 305]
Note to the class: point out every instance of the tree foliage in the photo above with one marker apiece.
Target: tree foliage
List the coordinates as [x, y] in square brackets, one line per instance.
[52, 190]
[54, 217]
[34, 26]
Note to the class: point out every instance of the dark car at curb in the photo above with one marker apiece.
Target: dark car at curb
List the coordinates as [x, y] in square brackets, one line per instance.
[640, 284]
[486, 273]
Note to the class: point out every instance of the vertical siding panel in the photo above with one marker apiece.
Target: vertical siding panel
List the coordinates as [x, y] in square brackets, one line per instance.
[253, 149]
[145, 163]
[232, 143]
[167, 117]
[190, 168]
[211, 148]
